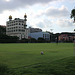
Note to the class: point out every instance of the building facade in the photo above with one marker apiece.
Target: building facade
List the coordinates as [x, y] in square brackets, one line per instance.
[66, 37]
[37, 35]
[32, 30]
[17, 27]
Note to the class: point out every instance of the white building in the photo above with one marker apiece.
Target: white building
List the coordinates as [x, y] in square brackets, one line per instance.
[17, 27]
[37, 35]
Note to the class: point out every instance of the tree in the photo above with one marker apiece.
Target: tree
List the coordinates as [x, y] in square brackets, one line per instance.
[8, 39]
[24, 40]
[32, 40]
[73, 14]
[41, 40]
[2, 29]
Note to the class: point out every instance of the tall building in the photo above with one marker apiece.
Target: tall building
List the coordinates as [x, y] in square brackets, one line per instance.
[17, 27]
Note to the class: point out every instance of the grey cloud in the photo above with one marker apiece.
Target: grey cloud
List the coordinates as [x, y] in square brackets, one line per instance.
[13, 4]
[40, 24]
[45, 23]
[55, 12]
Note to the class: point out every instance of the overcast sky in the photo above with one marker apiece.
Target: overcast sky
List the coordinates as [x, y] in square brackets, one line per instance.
[44, 14]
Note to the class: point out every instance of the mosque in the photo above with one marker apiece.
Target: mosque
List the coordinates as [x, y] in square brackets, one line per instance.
[17, 27]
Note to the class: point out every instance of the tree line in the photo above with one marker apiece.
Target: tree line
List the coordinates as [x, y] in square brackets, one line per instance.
[6, 39]
[14, 39]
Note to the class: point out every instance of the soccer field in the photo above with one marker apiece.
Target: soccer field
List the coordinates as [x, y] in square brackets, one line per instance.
[19, 55]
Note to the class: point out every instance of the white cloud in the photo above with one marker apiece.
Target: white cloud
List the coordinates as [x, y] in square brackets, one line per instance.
[70, 0]
[45, 24]
[65, 23]
[7, 0]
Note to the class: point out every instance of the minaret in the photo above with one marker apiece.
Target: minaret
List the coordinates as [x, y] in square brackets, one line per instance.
[25, 19]
[10, 18]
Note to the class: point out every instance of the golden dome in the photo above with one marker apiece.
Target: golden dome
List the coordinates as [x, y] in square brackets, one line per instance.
[25, 16]
[10, 17]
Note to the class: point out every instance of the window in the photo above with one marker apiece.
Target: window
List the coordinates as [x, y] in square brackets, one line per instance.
[16, 23]
[14, 30]
[43, 35]
[19, 23]
[19, 30]
[7, 22]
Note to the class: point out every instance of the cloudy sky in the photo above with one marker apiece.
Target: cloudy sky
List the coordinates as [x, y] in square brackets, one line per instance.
[44, 14]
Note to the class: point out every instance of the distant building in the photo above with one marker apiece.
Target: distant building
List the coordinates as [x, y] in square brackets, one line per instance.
[63, 37]
[37, 35]
[17, 27]
[32, 30]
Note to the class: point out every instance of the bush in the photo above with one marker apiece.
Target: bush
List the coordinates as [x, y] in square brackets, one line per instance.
[41, 40]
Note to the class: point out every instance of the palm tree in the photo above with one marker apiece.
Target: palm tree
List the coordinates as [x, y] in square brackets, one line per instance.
[73, 14]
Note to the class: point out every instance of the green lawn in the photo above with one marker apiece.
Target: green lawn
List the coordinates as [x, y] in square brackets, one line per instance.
[17, 56]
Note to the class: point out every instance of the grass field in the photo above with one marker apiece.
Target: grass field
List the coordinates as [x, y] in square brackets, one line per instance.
[24, 59]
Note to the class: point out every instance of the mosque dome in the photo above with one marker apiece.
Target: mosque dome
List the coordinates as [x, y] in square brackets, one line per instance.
[10, 17]
[25, 16]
